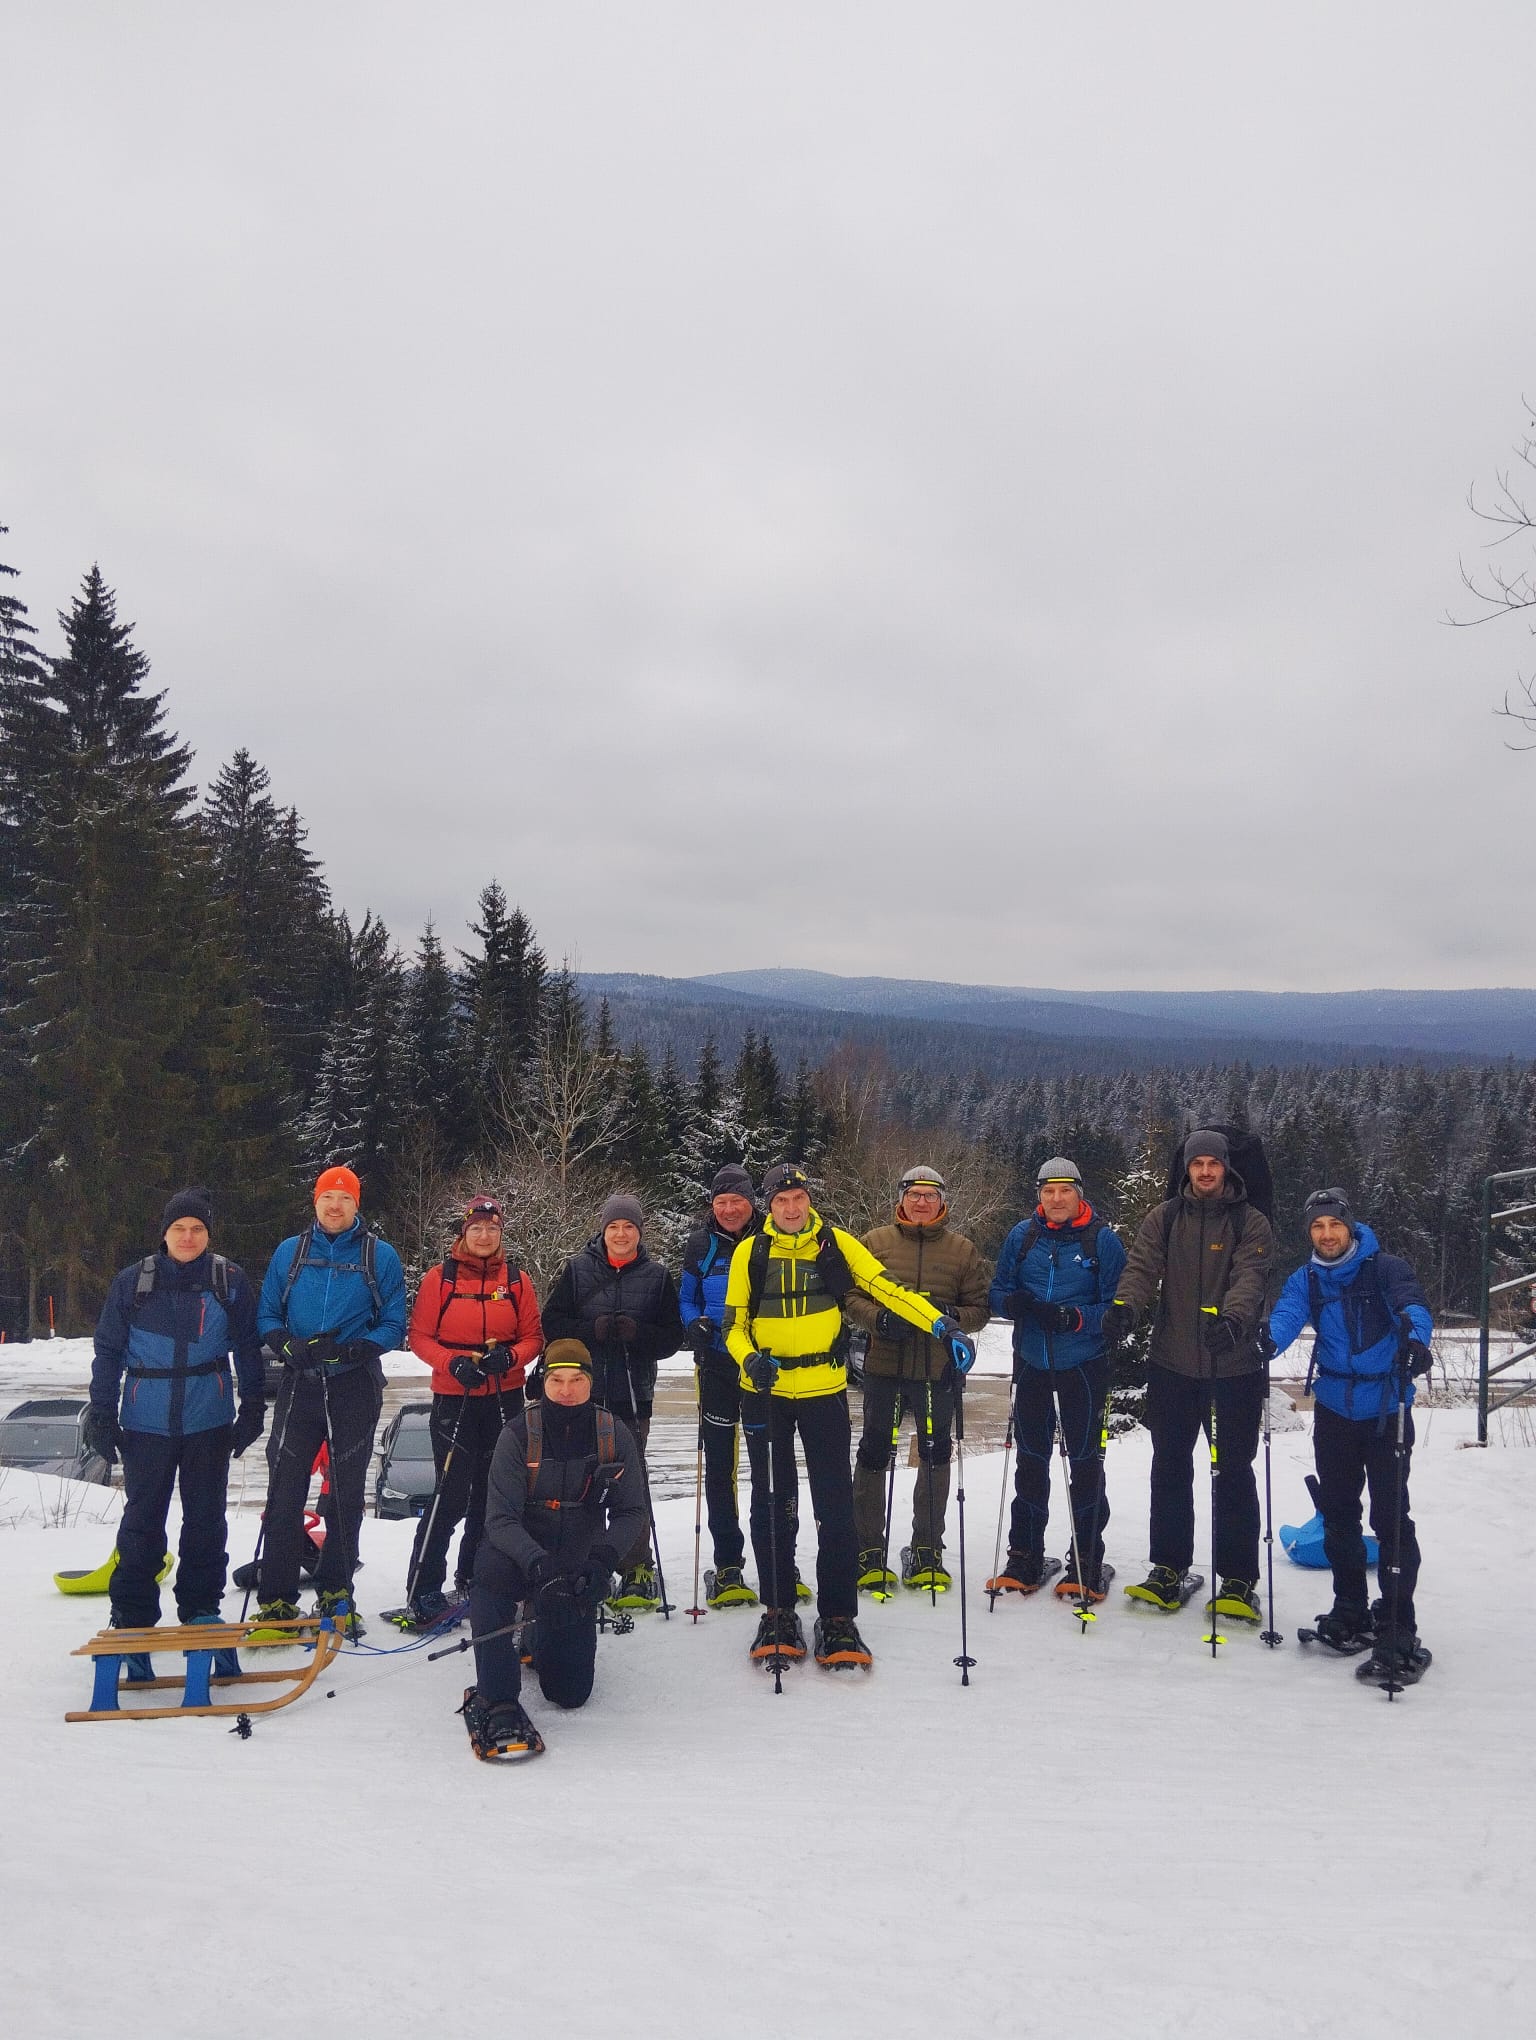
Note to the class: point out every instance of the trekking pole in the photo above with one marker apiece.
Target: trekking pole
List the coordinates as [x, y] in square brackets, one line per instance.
[1215, 1637]
[338, 1514]
[1400, 1452]
[773, 1539]
[437, 1495]
[1002, 1502]
[645, 1475]
[883, 1592]
[1271, 1635]
[469, 1642]
[280, 1433]
[698, 1495]
[933, 1582]
[1085, 1614]
[965, 1660]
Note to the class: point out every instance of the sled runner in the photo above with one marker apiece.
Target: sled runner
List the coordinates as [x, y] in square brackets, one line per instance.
[200, 1643]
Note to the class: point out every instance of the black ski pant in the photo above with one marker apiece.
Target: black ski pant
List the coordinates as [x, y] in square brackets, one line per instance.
[826, 1431]
[563, 1636]
[719, 1414]
[1351, 1453]
[1179, 1407]
[352, 1402]
[152, 1468]
[464, 1430]
[1082, 1391]
[931, 1406]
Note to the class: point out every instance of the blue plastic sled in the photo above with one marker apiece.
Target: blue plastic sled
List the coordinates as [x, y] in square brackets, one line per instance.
[1304, 1545]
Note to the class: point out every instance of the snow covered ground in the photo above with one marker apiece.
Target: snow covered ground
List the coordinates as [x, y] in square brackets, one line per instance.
[1105, 1834]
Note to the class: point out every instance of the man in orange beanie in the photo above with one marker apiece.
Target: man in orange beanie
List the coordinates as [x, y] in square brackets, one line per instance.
[332, 1304]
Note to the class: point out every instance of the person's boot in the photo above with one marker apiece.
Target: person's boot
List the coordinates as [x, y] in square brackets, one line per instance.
[1347, 1630]
[727, 1588]
[1024, 1572]
[839, 1644]
[1238, 1599]
[779, 1637]
[1162, 1588]
[226, 1663]
[338, 1604]
[875, 1576]
[499, 1731]
[137, 1668]
[923, 1570]
[264, 1636]
[637, 1589]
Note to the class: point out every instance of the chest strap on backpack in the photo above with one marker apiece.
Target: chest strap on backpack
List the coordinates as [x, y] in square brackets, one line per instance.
[149, 1268]
[369, 1247]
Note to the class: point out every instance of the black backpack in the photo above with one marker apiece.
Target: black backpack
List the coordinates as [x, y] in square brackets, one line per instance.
[830, 1262]
[145, 1286]
[1245, 1151]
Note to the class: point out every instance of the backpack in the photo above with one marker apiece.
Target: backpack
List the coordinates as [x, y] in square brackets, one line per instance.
[1246, 1154]
[831, 1264]
[447, 1290]
[301, 1261]
[145, 1286]
[1087, 1236]
[607, 1448]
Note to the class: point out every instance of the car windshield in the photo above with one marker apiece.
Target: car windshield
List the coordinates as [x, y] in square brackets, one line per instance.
[414, 1442]
[38, 1438]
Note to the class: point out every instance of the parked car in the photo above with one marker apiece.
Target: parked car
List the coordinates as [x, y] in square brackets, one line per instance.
[406, 1476]
[44, 1436]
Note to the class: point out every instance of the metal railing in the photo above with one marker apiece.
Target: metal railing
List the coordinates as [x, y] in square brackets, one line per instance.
[1510, 1391]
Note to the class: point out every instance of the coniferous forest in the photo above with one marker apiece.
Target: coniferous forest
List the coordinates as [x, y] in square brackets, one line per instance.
[181, 1000]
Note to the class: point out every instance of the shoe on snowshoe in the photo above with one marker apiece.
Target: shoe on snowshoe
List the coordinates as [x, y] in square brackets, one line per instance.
[922, 1569]
[137, 1667]
[1238, 1599]
[264, 1637]
[431, 1610]
[637, 1589]
[1401, 1664]
[875, 1576]
[779, 1637]
[802, 1591]
[726, 1587]
[1026, 1572]
[839, 1644]
[1349, 1631]
[226, 1663]
[1067, 1588]
[338, 1604]
[501, 1733]
[1166, 1587]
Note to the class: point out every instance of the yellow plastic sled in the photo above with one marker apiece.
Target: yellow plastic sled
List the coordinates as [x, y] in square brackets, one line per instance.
[100, 1580]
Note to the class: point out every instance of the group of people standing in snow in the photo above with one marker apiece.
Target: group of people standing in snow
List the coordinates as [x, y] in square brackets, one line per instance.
[541, 1416]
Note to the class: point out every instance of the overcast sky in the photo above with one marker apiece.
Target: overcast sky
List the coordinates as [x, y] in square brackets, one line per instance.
[963, 492]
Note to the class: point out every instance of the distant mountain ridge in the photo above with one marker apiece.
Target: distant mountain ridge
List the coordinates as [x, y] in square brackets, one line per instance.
[1493, 1022]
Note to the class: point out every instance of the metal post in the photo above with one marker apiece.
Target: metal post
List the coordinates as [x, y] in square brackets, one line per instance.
[1483, 1312]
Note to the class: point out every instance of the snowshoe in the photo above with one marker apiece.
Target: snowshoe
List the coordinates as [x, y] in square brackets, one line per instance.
[267, 1638]
[726, 1588]
[780, 1640]
[1026, 1572]
[1067, 1588]
[138, 1670]
[226, 1663]
[1238, 1599]
[875, 1576]
[1391, 1668]
[499, 1734]
[637, 1589]
[922, 1569]
[1345, 1631]
[338, 1604]
[1166, 1588]
[431, 1610]
[839, 1645]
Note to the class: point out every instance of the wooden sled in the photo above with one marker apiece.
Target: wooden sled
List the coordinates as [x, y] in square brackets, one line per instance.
[199, 1642]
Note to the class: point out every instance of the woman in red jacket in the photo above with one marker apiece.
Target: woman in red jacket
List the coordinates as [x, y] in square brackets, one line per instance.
[476, 1324]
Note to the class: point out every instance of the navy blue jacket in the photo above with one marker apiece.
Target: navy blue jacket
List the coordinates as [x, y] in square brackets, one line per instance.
[1053, 1264]
[706, 1266]
[331, 1293]
[1362, 1309]
[174, 1347]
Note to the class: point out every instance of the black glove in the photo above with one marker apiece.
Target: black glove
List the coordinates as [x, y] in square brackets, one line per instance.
[290, 1349]
[467, 1371]
[356, 1352]
[701, 1336]
[498, 1360]
[324, 1347]
[1119, 1320]
[101, 1432]
[1420, 1359]
[541, 1571]
[1223, 1335]
[597, 1578]
[250, 1422]
[762, 1371]
[1267, 1347]
[889, 1326]
[1058, 1317]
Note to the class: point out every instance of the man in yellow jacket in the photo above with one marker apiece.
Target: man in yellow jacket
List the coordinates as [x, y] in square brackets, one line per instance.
[783, 1321]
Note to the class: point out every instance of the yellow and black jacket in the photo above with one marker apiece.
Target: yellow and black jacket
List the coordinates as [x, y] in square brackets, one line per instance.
[798, 1318]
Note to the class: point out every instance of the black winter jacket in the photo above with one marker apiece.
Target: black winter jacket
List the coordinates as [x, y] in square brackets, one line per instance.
[590, 1287]
[574, 1501]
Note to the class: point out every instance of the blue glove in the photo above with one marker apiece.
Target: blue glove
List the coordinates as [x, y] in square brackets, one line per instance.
[762, 1372]
[961, 1351]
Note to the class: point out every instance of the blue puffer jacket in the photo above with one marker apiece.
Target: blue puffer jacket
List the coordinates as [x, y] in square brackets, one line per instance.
[174, 1346]
[331, 1293]
[1361, 1309]
[1077, 1264]
[706, 1267]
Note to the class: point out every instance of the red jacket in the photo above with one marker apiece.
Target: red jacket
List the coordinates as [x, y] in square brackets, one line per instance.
[476, 1307]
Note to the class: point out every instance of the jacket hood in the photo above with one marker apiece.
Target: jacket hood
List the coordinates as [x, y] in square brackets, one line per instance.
[930, 1231]
[1233, 1191]
[811, 1230]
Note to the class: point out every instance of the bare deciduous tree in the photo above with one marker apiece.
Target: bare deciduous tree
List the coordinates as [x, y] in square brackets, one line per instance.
[1502, 589]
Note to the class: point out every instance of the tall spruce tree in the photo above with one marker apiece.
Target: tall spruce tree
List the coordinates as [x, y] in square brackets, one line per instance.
[501, 989]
